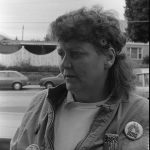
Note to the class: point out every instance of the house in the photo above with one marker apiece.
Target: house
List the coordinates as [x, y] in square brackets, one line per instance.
[136, 51]
[2, 37]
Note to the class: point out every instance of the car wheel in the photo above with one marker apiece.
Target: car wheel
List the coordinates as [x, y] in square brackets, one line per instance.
[17, 86]
[49, 85]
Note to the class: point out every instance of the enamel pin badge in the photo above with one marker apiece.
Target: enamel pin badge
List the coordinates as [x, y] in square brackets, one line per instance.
[111, 141]
[33, 147]
[133, 130]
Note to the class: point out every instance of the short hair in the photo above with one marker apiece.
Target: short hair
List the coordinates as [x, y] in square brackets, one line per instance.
[102, 29]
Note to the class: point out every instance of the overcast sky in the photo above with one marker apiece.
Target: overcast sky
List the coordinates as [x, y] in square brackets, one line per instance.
[14, 14]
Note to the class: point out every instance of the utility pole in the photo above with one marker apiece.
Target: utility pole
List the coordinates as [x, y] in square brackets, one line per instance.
[22, 32]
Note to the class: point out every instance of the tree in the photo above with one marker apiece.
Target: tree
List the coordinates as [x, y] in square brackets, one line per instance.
[46, 38]
[16, 38]
[137, 15]
[146, 60]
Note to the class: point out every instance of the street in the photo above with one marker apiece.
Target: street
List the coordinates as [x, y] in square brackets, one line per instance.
[12, 107]
[17, 101]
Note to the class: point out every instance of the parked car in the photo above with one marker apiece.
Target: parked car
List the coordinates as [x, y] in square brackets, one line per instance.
[142, 81]
[51, 81]
[13, 79]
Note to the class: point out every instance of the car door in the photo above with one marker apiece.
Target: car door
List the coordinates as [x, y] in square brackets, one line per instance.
[3, 79]
[13, 77]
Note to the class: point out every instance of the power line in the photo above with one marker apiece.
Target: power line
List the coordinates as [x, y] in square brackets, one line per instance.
[25, 22]
[130, 21]
[139, 21]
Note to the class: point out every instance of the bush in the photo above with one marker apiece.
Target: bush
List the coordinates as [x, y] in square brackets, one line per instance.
[146, 60]
[26, 67]
[2, 67]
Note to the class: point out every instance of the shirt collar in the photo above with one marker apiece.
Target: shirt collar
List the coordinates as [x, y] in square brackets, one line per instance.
[70, 99]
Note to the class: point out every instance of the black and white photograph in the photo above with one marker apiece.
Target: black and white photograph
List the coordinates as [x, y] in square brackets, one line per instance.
[74, 74]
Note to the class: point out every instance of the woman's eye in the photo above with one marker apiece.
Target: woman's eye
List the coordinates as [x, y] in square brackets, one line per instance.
[75, 54]
[61, 53]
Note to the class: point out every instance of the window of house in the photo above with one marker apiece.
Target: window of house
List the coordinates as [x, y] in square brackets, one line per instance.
[128, 52]
[146, 78]
[135, 52]
[140, 53]
[139, 79]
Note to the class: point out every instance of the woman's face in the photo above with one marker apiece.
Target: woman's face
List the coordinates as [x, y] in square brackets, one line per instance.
[82, 67]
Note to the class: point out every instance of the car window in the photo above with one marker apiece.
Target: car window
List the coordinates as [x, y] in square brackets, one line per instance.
[139, 79]
[146, 79]
[60, 75]
[13, 74]
[3, 74]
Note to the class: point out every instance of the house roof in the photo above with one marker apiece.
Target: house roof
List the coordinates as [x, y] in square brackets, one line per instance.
[2, 37]
[138, 43]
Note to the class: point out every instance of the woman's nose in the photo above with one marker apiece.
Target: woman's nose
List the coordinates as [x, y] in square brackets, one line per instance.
[66, 63]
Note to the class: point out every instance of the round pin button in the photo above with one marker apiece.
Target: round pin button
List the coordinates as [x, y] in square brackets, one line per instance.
[33, 147]
[133, 130]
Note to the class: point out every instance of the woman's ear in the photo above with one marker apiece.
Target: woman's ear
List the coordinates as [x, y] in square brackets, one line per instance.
[110, 58]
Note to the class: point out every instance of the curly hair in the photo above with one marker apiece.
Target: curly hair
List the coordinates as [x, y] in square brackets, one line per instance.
[93, 25]
[102, 29]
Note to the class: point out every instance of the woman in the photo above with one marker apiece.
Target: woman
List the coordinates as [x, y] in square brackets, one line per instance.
[95, 109]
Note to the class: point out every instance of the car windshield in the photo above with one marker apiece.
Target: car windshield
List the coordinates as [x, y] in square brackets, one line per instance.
[60, 75]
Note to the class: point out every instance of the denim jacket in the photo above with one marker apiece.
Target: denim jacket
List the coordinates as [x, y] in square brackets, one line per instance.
[36, 131]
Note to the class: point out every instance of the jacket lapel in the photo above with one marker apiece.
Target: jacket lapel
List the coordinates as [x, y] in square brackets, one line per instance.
[95, 138]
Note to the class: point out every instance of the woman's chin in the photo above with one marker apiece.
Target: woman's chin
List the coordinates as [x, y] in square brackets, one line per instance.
[72, 87]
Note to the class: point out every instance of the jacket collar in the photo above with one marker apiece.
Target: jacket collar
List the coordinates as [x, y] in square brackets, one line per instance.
[57, 95]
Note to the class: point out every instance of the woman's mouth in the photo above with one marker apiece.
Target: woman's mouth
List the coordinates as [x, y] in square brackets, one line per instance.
[69, 76]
